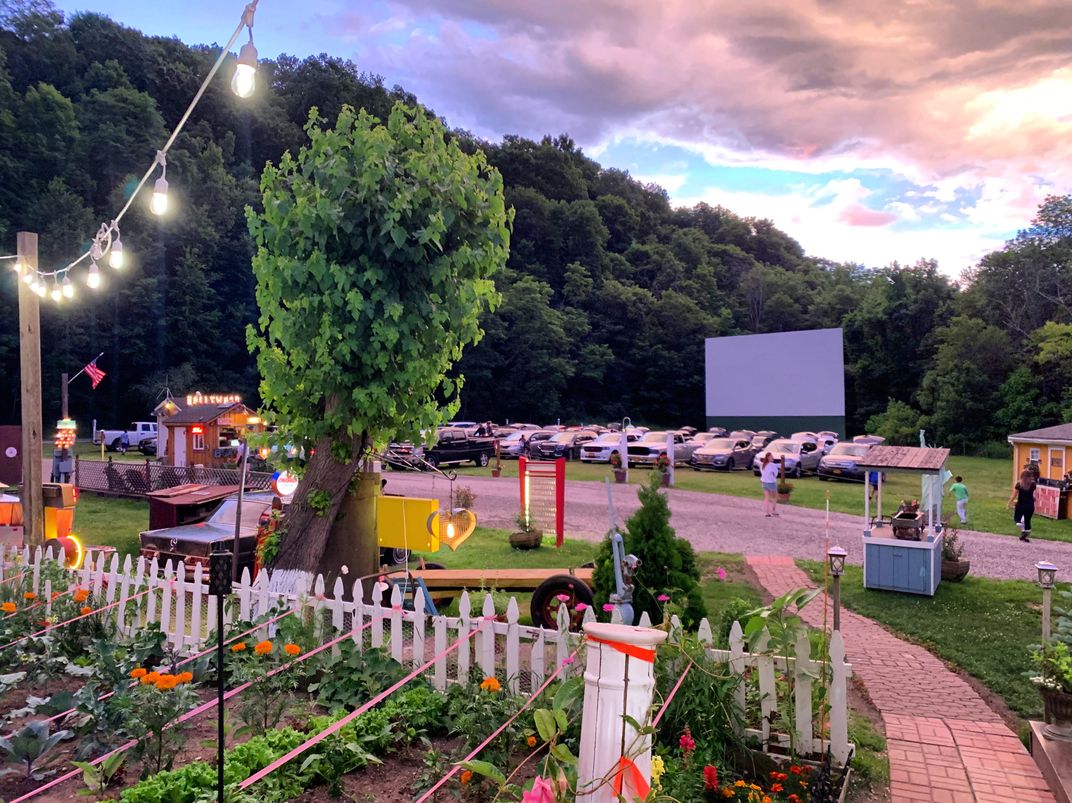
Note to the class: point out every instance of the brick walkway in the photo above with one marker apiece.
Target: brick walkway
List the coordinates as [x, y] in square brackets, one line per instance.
[945, 744]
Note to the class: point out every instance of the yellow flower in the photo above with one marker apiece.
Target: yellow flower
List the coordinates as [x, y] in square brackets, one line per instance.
[739, 784]
[658, 767]
[185, 677]
[8, 607]
[491, 684]
[531, 741]
[81, 595]
[728, 792]
[138, 673]
[29, 595]
[292, 649]
[85, 610]
[263, 648]
[239, 647]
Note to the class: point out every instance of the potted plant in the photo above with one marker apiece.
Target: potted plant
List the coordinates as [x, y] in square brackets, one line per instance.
[785, 488]
[616, 466]
[954, 567]
[527, 536]
[662, 464]
[907, 522]
[1054, 681]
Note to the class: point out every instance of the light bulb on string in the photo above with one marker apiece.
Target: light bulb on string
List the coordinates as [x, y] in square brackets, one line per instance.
[244, 82]
[56, 294]
[93, 279]
[17, 267]
[159, 203]
[28, 277]
[115, 254]
[68, 288]
[40, 289]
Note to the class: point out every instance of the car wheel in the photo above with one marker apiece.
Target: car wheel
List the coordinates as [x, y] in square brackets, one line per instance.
[432, 460]
[797, 472]
[730, 465]
[482, 460]
[115, 445]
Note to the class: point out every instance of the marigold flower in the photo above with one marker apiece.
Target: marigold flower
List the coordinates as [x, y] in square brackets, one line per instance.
[167, 682]
[490, 684]
[794, 799]
[292, 649]
[150, 679]
[56, 594]
[776, 787]
[81, 595]
[185, 677]
[138, 672]
[467, 775]
[794, 769]
[239, 647]
[739, 784]
[263, 648]
[85, 610]
[8, 607]
[531, 741]
[766, 799]
[29, 595]
[728, 791]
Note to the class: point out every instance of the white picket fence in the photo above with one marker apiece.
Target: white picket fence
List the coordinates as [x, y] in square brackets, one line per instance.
[520, 656]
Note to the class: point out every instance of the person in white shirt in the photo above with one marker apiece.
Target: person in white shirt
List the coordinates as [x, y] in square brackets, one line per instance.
[768, 481]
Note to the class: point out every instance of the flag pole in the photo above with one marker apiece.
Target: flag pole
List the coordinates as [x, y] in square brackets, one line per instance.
[73, 378]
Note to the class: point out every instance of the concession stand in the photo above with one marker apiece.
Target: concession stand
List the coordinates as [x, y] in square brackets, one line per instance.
[1047, 453]
[205, 430]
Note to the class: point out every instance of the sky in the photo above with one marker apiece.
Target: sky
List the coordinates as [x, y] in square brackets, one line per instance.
[869, 131]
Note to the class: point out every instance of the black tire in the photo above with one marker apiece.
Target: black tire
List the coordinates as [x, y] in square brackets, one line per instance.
[545, 603]
[730, 465]
[431, 460]
[114, 447]
[482, 460]
[797, 473]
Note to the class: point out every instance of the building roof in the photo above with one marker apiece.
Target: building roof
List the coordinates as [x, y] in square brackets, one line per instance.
[1061, 432]
[202, 413]
[192, 493]
[905, 458]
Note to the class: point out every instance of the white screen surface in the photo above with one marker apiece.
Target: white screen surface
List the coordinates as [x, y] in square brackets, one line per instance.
[779, 374]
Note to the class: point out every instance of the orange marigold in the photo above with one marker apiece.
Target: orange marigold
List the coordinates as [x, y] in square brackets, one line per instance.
[292, 649]
[185, 677]
[8, 607]
[491, 684]
[239, 647]
[531, 741]
[467, 775]
[776, 787]
[81, 595]
[85, 610]
[29, 595]
[138, 672]
[166, 682]
[150, 678]
[263, 648]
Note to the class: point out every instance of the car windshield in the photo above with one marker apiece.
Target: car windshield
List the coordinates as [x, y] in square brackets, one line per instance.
[720, 443]
[513, 436]
[564, 437]
[854, 449]
[608, 437]
[759, 440]
[784, 447]
[654, 437]
[251, 512]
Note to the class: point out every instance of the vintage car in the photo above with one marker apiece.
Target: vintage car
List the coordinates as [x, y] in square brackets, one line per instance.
[797, 455]
[725, 454]
[842, 462]
[599, 450]
[648, 450]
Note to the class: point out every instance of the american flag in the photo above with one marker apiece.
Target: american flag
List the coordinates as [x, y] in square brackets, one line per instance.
[94, 373]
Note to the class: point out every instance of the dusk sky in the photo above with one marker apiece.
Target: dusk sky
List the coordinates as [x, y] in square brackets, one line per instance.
[869, 131]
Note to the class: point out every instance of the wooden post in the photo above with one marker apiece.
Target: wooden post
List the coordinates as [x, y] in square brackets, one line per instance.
[30, 374]
[1045, 614]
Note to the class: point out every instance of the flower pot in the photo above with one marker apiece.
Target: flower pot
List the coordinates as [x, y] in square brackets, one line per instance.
[530, 540]
[620, 475]
[783, 497]
[496, 472]
[955, 570]
[908, 526]
[1057, 708]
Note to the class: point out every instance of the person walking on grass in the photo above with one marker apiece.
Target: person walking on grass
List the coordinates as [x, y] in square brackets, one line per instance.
[960, 494]
[768, 481]
[1023, 495]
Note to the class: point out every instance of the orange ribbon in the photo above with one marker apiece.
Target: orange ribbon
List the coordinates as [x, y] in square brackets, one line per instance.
[631, 650]
[626, 766]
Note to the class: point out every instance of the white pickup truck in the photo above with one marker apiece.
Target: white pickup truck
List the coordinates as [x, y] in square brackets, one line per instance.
[141, 436]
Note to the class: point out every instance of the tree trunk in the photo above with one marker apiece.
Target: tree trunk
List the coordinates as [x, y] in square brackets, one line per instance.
[353, 541]
[306, 528]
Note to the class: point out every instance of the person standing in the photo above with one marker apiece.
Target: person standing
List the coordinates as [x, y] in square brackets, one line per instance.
[960, 494]
[124, 442]
[1023, 495]
[768, 481]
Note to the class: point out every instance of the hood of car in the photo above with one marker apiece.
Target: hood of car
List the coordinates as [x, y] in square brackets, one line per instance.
[202, 534]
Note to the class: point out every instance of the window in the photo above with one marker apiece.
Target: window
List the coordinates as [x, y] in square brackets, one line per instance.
[1034, 455]
[199, 442]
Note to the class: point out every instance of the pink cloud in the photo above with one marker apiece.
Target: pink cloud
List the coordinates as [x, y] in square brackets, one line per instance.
[857, 215]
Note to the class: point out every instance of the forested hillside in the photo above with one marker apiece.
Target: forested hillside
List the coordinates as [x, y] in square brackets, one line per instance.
[609, 293]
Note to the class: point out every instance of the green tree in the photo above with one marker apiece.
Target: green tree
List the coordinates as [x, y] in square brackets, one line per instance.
[898, 424]
[375, 255]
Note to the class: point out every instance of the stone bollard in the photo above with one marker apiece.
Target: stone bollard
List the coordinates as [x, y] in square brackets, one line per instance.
[619, 679]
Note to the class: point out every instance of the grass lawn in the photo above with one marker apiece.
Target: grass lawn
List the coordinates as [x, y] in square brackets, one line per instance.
[984, 627]
[989, 481]
[91, 451]
[101, 521]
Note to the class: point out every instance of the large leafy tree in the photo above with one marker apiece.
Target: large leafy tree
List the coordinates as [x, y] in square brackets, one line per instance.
[375, 255]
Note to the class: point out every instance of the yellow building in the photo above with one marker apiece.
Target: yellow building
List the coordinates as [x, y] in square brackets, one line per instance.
[1050, 451]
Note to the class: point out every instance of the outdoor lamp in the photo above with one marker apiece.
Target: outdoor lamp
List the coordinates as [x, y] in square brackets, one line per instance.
[115, 254]
[93, 279]
[836, 555]
[244, 81]
[28, 277]
[1047, 574]
[68, 288]
[158, 204]
[40, 289]
[17, 267]
[56, 293]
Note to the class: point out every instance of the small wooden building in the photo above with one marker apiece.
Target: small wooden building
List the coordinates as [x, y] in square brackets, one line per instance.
[207, 433]
[1049, 451]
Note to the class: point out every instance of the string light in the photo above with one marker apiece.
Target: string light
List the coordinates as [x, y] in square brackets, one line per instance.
[108, 242]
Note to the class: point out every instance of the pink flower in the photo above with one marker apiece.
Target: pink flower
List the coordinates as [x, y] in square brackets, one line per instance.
[663, 598]
[687, 743]
[567, 660]
[541, 792]
[562, 597]
[607, 607]
[721, 573]
[580, 606]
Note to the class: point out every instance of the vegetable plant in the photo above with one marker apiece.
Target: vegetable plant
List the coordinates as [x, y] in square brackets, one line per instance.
[34, 748]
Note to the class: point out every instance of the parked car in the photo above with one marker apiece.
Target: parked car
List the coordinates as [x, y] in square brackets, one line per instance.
[526, 427]
[535, 438]
[690, 431]
[458, 446]
[404, 455]
[804, 436]
[827, 440]
[469, 426]
[742, 434]
[701, 438]
[843, 462]
[723, 453]
[140, 432]
[798, 455]
[718, 432]
[564, 444]
[513, 445]
[598, 451]
[647, 450]
[761, 439]
[870, 440]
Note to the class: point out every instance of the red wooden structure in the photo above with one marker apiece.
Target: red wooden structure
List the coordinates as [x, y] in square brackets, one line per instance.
[543, 493]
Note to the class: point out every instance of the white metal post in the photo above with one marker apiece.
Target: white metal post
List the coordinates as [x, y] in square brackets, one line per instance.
[670, 456]
[616, 684]
[1045, 614]
[623, 453]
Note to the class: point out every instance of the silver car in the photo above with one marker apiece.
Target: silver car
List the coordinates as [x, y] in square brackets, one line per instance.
[798, 456]
[725, 454]
[599, 450]
[843, 462]
[648, 450]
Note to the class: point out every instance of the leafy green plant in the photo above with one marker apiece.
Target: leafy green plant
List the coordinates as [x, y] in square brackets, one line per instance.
[736, 610]
[98, 778]
[150, 711]
[261, 706]
[1053, 662]
[353, 676]
[33, 747]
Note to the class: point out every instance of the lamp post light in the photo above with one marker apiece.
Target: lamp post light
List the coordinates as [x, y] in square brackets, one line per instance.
[1047, 574]
[836, 555]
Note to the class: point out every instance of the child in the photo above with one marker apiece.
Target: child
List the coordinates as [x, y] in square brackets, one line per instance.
[960, 493]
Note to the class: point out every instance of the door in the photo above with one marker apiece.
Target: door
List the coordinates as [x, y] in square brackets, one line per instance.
[180, 446]
[1057, 463]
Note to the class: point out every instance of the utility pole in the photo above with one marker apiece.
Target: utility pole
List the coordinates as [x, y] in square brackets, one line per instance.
[30, 372]
[63, 394]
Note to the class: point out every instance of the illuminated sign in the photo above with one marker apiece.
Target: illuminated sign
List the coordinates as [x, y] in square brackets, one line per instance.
[66, 429]
[213, 398]
[284, 483]
[197, 429]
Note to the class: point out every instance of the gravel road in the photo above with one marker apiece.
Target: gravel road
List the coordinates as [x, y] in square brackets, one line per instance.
[713, 522]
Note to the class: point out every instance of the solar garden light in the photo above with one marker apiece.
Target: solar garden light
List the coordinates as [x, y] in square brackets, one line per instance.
[836, 555]
[219, 585]
[1047, 574]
